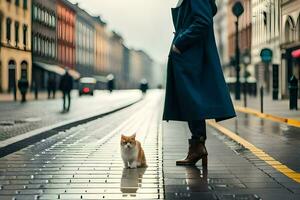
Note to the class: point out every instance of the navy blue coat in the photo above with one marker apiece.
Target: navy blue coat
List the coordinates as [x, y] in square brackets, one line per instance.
[196, 87]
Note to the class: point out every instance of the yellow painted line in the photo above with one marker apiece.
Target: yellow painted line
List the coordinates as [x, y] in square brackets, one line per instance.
[289, 121]
[257, 152]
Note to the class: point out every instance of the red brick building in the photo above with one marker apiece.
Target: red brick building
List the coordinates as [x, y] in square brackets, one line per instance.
[65, 34]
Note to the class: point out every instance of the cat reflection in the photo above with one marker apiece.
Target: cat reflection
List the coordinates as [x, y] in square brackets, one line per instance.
[131, 181]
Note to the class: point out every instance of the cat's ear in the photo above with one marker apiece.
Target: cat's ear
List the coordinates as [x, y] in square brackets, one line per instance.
[134, 135]
[122, 136]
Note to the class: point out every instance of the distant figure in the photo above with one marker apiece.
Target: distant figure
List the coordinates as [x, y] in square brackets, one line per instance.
[110, 82]
[51, 87]
[66, 85]
[144, 86]
[23, 87]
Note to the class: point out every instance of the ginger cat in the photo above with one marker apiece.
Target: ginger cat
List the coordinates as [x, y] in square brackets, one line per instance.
[132, 152]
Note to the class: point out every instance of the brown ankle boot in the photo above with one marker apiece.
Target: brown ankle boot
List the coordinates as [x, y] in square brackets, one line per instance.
[197, 151]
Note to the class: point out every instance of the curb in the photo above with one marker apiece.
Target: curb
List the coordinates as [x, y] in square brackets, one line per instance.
[19, 142]
[289, 121]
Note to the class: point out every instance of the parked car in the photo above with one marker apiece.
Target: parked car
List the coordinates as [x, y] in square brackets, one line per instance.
[87, 86]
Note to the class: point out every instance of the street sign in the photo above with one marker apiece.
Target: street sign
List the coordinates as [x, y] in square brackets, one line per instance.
[238, 9]
[266, 55]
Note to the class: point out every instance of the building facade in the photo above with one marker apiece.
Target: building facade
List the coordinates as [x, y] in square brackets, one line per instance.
[265, 34]
[289, 42]
[116, 51]
[15, 47]
[245, 31]
[126, 67]
[44, 41]
[135, 68]
[66, 39]
[101, 46]
[85, 42]
[220, 26]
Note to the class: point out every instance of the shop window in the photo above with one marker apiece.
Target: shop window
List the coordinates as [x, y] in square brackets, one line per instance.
[17, 2]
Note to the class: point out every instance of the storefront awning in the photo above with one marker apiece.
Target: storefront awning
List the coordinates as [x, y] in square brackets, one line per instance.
[296, 53]
[57, 69]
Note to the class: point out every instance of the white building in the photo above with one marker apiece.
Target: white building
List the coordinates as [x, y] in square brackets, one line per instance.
[265, 34]
[221, 34]
[290, 42]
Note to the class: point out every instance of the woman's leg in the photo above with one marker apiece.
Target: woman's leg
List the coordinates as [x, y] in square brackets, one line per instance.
[198, 130]
[197, 149]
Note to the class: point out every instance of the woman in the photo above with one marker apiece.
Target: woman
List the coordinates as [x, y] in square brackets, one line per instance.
[196, 89]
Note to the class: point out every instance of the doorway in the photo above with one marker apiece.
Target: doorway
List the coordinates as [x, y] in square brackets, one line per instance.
[11, 75]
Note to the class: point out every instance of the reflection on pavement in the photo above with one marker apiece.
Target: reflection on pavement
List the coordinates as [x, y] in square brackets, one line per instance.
[196, 179]
[131, 181]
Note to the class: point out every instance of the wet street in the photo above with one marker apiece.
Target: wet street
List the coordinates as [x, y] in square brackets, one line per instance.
[249, 159]
[17, 118]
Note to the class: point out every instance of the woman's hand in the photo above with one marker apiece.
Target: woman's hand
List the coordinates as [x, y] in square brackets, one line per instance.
[175, 49]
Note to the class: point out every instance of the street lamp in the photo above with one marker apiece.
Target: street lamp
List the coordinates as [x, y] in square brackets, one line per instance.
[246, 62]
[237, 10]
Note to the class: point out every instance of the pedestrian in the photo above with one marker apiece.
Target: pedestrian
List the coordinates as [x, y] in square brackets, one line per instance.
[23, 86]
[66, 85]
[51, 86]
[196, 89]
[144, 86]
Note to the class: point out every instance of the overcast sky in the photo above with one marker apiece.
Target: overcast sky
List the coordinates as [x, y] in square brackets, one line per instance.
[144, 24]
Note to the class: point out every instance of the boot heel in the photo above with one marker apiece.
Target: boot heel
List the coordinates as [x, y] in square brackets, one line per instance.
[204, 161]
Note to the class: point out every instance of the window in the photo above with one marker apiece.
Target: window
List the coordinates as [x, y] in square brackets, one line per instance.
[35, 43]
[8, 27]
[25, 35]
[38, 13]
[43, 16]
[54, 49]
[35, 12]
[17, 2]
[17, 33]
[42, 46]
[39, 44]
[25, 6]
[46, 47]
[53, 21]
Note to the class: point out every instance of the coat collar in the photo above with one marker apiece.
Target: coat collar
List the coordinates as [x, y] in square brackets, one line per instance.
[179, 3]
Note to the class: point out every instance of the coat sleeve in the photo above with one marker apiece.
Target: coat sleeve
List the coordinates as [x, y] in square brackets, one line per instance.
[202, 20]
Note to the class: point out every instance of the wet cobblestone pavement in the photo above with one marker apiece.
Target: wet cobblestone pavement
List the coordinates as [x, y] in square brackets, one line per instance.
[230, 175]
[17, 119]
[84, 162]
